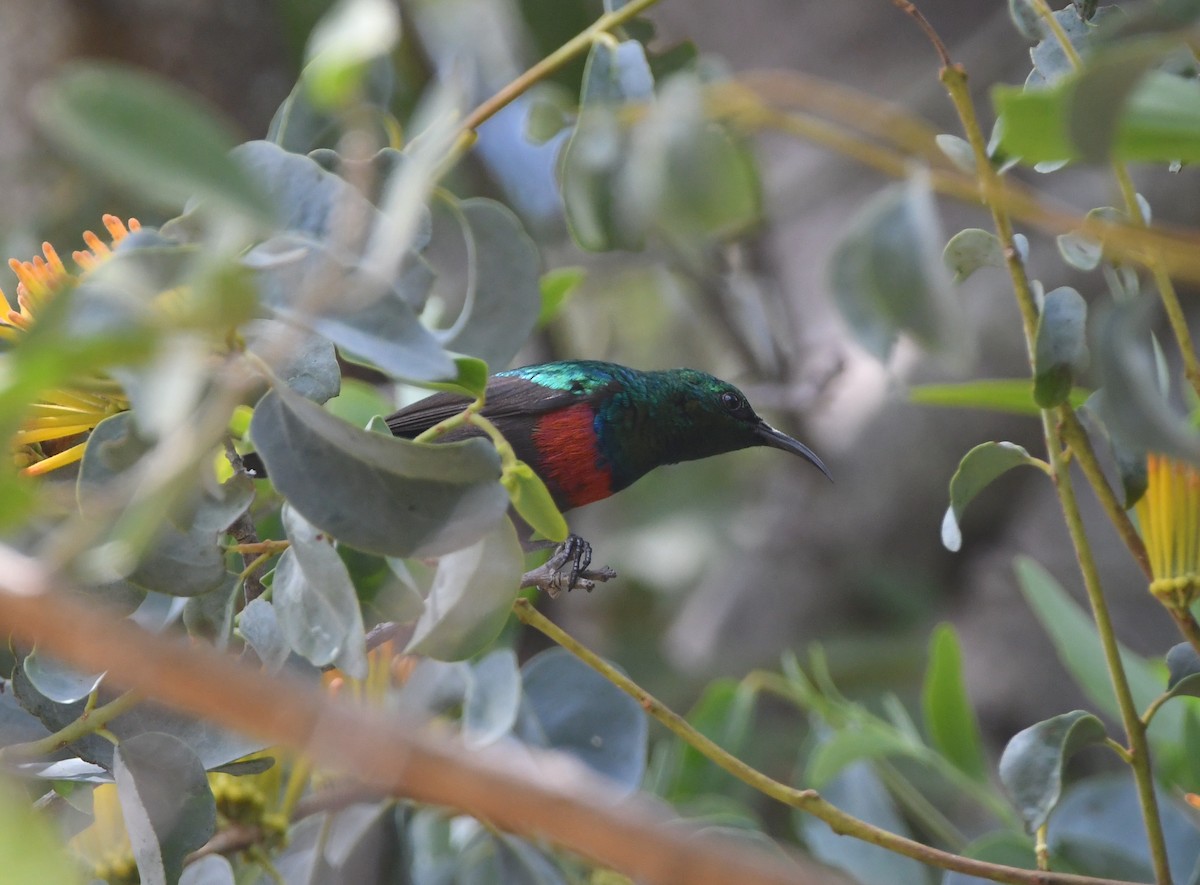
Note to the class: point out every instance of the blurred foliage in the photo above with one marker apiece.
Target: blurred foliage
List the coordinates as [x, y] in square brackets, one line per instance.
[321, 252]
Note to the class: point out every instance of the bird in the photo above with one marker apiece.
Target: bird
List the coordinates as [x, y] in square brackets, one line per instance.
[589, 429]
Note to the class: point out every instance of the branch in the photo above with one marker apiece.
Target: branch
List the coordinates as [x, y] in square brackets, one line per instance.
[545, 795]
[809, 801]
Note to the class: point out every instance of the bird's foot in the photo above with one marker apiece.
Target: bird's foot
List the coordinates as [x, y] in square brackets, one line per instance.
[569, 567]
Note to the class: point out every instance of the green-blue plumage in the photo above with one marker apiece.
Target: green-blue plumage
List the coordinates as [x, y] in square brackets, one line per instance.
[592, 428]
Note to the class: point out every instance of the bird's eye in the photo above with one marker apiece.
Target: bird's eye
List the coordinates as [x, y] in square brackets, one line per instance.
[731, 401]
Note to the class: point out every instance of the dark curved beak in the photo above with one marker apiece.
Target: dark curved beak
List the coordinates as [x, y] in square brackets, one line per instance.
[777, 439]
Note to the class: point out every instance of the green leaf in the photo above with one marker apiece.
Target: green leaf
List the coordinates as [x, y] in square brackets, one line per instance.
[723, 714]
[592, 161]
[971, 249]
[949, 719]
[471, 597]
[978, 468]
[1082, 253]
[557, 286]
[370, 322]
[259, 626]
[1134, 409]
[1092, 833]
[149, 135]
[166, 802]
[570, 707]
[212, 869]
[886, 275]
[56, 681]
[1001, 847]
[504, 298]
[299, 125]
[309, 366]
[342, 46]
[957, 150]
[179, 555]
[847, 748]
[1061, 350]
[1183, 667]
[1160, 122]
[378, 494]
[1031, 766]
[859, 791]
[686, 174]
[1012, 395]
[31, 849]
[315, 602]
[531, 499]
[1025, 16]
[212, 745]
[1101, 91]
[1079, 649]
[493, 698]
[1050, 61]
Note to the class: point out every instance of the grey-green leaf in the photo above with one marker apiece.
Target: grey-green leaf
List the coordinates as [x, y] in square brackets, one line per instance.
[166, 802]
[493, 698]
[972, 249]
[58, 682]
[315, 602]
[570, 707]
[1183, 667]
[886, 274]
[1031, 767]
[147, 134]
[1134, 409]
[471, 597]
[259, 626]
[978, 468]
[381, 495]
[1061, 352]
[505, 300]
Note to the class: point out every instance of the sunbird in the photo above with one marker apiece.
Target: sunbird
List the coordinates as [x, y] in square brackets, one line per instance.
[590, 429]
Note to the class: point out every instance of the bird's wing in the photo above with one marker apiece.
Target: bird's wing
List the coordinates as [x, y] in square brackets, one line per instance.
[508, 397]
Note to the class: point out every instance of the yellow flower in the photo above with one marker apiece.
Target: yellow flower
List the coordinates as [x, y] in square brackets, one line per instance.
[51, 434]
[104, 846]
[1169, 516]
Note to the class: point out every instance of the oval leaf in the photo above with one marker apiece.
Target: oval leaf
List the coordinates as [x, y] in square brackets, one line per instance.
[58, 682]
[1061, 351]
[886, 276]
[1183, 667]
[259, 626]
[166, 802]
[971, 249]
[471, 597]
[148, 134]
[1031, 767]
[570, 707]
[378, 494]
[977, 469]
[493, 699]
[503, 304]
[315, 602]
[531, 499]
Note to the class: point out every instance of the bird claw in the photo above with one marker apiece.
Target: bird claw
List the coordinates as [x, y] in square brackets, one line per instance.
[569, 567]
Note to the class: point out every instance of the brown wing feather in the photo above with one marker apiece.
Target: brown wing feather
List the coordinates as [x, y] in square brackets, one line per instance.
[508, 398]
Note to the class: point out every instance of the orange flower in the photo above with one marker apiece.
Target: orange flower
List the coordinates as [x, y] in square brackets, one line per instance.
[49, 436]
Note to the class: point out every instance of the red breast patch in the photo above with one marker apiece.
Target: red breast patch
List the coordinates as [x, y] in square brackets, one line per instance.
[566, 444]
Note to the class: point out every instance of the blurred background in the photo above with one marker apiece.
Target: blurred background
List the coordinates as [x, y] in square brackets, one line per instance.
[723, 564]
